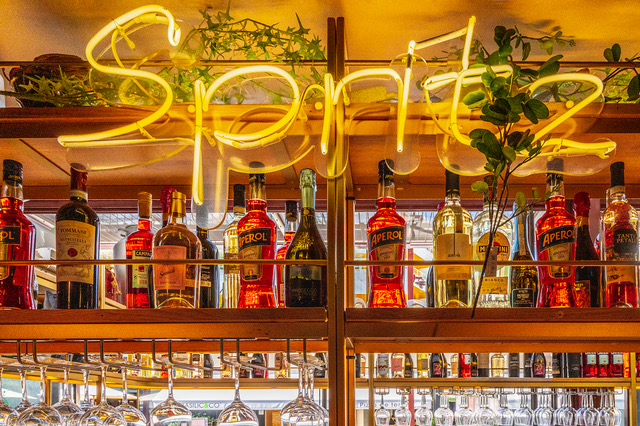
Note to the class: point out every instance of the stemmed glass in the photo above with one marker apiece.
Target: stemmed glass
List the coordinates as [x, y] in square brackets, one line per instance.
[103, 413]
[485, 415]
[464, 415]
[543, 415]
[443, 415]
[565, 415]
[74, 419]
[588, 416]
[41, 413]
[503, 416]
[523, 416]
[24, 404]
[170, 411]
[423, 415]
[7, 414]
[319, 408]
[131, 414]
[237, 413]
[382, 415]
[403, 414]
[66, 407]
[614, 414]
[285, 413]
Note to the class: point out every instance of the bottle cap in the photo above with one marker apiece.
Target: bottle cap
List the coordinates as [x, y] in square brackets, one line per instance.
[291, 210]
[307, 178]
[12, 170]
[617, 174]
[78, 181]
[581, 204]
[452, 182]
[178, 204]
[144, 204]
[384, 170]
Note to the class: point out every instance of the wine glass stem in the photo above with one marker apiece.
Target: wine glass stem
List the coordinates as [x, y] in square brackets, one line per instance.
[125, 399]
[1, 392]
[103, 387]
[23, 383]
[236, 375]
[42, 385]
[85, 377]
[300, 380]
[170, 380]
[65, 389]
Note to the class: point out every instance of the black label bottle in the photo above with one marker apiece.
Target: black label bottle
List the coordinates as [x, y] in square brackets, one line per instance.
[514, 365]
[437, 365]
[538, 365]
[523, 280]
[209, 287]
[588, 279]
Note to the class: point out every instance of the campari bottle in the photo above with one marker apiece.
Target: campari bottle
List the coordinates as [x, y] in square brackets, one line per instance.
[256, 240]
[555, 234]
[17, 242]
[386, 241]
[139, 245]
[588, 278]
[620, 230]
[291, 216]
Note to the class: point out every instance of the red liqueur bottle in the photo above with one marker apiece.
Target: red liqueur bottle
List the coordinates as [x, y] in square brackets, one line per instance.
[587, 278]
[256, 240]
[555, 234]
[386, 240]
[139, 245]
[17, 242]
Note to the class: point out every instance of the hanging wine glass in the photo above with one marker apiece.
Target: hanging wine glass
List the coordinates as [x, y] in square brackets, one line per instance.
[285, 413]
[464, 415]
[131, 414]
[523, 416]
[485, 416]
[324, 413]
[579, 420]
[66, 407]
[24, 404]
[102, 414]
[543, 415]
[423, 415]
[589, 416]
[382, 415]
[170, 411]
[503, 415]
[41, 413]
[403, 414]
[443, 415]
[7, 414]
[565, 415]
[74, 419]
[237, 413]
[614, 414]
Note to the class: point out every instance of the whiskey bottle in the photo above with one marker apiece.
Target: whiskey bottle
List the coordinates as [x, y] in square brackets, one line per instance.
[291, 217]
[397, 365]
[523, 280]
[386, 241]
[538, 365]
[17, 242]
[514, 364]
[231, 290]
[484, 364]
[589, 364]
[497, 365]
[139, 245]
[306, 285]
[320, 372]
[454, 365]
[408, 366]
[437, 365]
[557, 364]
[422, 363]
[209, 288]
[176, 285]
[588, 278]
[77, 238]
[452, 241]
[574, 364]
[620, 230]
[555, 234]
[494, 292]
[256, 240]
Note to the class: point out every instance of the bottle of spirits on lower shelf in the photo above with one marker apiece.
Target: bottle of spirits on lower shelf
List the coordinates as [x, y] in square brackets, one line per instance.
[527, 364]
[574, 365]
[77, 238]
[538, 365]
[386, 241]
[282, 366]
[422, 363]
[306, 285]
[291, 218]
[139, 245]
[494, 292]
[620, 230]
[231, 289]
[555, 233]
[616, 364]
[209, 288]
[176, 285]
[603, 364]
[17, 242]
[523, 280]
[514, 365]
[452, 241]
[463, 362]
[256, 240]
[437, 365]
[321, 372]
[589, 364]
[557, 365]
[484, 364]
[588, 278]
[259, 360]
[474, 364]
[408, 366]
[497, 365]
[397, 365]
[382, 365]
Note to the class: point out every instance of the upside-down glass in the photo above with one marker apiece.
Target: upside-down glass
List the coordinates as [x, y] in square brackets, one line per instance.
[485, 416]
[308, 413]
[523, 416]
[66, 407]
[102, 414]
[7, 414]
[319, 408]
[170, 411]
[543, 415]
[565, 415]
[41, 413]
[74, 419]
[131, 414]
[237, 413]
[587, 415]
[290, 406]
[382, 415]
[443, 415]
[423, 415]
[403, 414]
[24, 404]
[464, 415]
[504, 416]
[615, 416]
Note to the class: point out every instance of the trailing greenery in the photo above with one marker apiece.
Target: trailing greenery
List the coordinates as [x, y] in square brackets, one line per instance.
[621, 84]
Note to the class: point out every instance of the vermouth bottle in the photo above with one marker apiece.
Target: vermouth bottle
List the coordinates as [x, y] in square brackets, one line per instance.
[139, 245]
[306, 285]
[555, 234]
[452, 241]
[77, 238]
[588, 278]
[386, 241]
[231, 290]
[620, 230]
[494, 292]
[291, 217]
[256, 240]
[17, 242]
[523, 280]
[209, 288]
[176, 285]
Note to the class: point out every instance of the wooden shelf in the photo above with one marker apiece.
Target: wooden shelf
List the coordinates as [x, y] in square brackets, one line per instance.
[493, 330]
[492, 382]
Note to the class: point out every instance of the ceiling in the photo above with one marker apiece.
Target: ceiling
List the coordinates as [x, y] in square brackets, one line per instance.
[375, 29]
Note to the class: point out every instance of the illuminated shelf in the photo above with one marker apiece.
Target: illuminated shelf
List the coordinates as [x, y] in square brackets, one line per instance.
[492, 382]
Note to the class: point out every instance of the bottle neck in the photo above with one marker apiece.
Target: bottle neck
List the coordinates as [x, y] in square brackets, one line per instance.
[521, 246]
[12, 189]
[258, 197]
[308, 197]
[203, 234]
[617, 195]
[144, 223]
[238, 212]
[386, 194]
[556, 199]
[290, 230]
[176, 218]
[452, 197]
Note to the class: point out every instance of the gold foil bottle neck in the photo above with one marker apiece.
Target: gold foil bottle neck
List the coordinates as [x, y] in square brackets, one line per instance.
[144, 204]
[178, 204]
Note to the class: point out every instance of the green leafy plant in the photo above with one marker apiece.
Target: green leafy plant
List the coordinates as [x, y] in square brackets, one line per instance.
[621, 84]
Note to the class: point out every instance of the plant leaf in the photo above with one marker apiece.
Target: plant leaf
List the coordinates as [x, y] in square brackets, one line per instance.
[478, 133]
[526, 50]
[529, 113]
[479, 187]
[505, 50]
[616, 52]
[539, 108]
[497, 84]
[521, 200]
[535, 192]
[608, 54]
[509, 153]
[633, 91]
[474, 99]
[550, 67]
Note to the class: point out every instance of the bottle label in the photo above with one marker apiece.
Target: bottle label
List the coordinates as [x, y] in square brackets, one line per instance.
[397, 364]
[436, 369]
[75, 241]
[538, 368]
[456, 246]
[558, 243]
[206, 273]
[500, 241]
[624, 248]
[583, 293]
[9, 236]
[424, 364]
[172, 276]
[250, 243]
[309, 282]
[140, 273]
[618, 358]
[495, 285]
[387, 244]
[231, 269]
[603, 358]
[591, 358]
[522, 298]
[383, 365]
[522, 239]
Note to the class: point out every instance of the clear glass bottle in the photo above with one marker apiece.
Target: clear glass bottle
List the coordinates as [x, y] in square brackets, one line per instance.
[291, 217]
[397, 365]
[423, 365]
[139, 245]
[231, 290]
[382, 365]
[523, 280]
[495, 289]
[176, 285]
[452, 241]
[497, 365]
